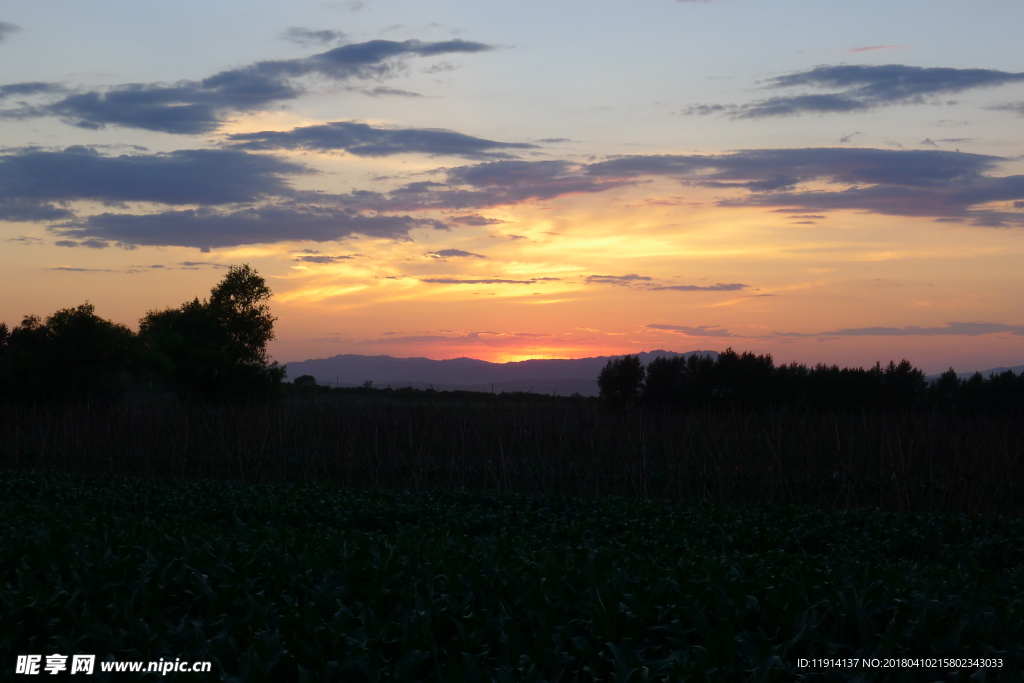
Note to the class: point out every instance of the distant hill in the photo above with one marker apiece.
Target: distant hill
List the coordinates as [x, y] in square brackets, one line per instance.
[558, 376]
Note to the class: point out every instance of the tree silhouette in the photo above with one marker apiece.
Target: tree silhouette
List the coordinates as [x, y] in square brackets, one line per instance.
[667, 382]
[74, 353]
[621, 380]
[216, 347]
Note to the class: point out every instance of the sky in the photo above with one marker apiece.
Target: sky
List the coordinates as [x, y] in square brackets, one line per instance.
[506, 180]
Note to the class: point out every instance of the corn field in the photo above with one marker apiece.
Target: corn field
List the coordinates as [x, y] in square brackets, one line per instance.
[909, 463]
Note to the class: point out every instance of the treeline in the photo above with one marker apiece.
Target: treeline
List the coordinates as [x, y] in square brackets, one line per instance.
[215, 348]
[747, 380]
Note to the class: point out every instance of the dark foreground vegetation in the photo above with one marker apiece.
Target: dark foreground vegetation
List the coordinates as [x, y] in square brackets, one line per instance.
[303, 582]
[909, 462]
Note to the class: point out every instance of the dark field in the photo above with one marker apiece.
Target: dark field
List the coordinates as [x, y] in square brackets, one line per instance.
[383, 536]
[301, 582]
[915, 461]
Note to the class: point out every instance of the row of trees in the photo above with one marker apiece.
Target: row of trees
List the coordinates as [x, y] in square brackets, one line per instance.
[747, 380]
[216, 347]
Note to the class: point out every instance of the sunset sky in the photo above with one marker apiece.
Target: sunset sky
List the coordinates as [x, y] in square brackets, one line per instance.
[826, 182]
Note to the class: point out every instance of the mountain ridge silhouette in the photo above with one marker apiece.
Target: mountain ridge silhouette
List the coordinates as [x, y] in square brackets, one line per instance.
[560, 376]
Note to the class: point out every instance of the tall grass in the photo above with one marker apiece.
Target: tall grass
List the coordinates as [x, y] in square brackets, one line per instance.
[909, 463]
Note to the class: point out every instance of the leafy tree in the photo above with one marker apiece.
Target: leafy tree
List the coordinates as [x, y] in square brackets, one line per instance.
[666, 382]
[902, 384]
[744, 379]
[74, 353]
[621, 380]
[216, 347]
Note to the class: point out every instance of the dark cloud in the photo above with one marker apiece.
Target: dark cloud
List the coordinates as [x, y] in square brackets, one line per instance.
[368, 141]
[194, 107]
[182, 177]
[481, 186]
[971, 329]
[6, 29]
[30, 88]
[308, 38]
[456, 253]
[926, 183]
[720, 287]
[896, 82]
[826, 103]
[206, 228]
[24, 239]
[861, 87]
[18, 210]
[952, 203]
[699, 331]
[617, 279]
[764, 169]
[498, 183]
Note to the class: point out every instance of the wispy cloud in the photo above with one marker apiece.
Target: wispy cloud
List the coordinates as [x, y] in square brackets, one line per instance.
[207, 229]
[481, 281]
[720, 287]
[1015, 107]
[876, 48]
[364, 140]
[698, 331]
[617, 279]
[71, 269]
[196, 107]
[474, 220]
[6, 29]
[453, 253]
[321, 258]
[89, 244]
[861, 88]
[970, 329]
[310, 38]
[927, 183]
